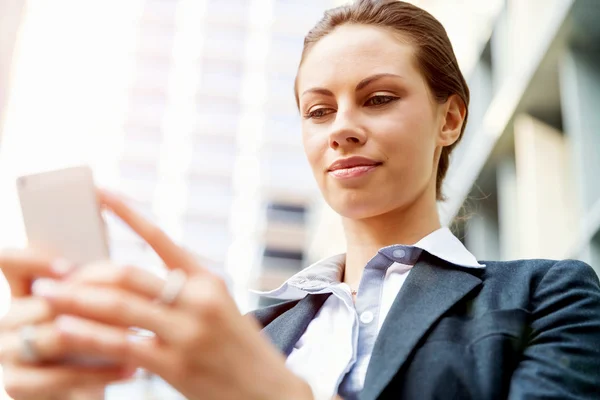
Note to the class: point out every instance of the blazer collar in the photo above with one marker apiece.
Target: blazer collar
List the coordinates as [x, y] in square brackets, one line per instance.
[329, 271]
[430, 290]
[286, 329]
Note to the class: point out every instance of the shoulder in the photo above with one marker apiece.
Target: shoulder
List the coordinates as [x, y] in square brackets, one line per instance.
[543, 275]
[537, 266]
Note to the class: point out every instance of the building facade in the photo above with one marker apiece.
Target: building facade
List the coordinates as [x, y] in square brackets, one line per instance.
[523, 181]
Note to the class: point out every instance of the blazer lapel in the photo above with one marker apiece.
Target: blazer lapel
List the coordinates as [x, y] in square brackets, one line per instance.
[285, 330]
[431, 288]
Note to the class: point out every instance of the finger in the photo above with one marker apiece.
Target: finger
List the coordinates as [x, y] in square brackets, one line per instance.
[115, 343]
[114, 306]
[130, 278]
[196, 289]
[51, 345]
[172, 254]
[21, 267]
[30, 382]
[27, 310]
[47, 344]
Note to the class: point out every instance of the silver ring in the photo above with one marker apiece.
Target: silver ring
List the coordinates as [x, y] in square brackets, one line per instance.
[174, 284]
[29, 352]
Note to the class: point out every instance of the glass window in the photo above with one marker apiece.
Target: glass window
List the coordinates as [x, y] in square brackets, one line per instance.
[282, 260]
[224, 42]
[138, 179]
[213, 154]
[284, 52]
[209, 195]
[287, 170]
[135, 131]
[286, 44]
[138, 171]
[307, 9]
[283, 126]
[150, 113]
[211, 123]
[152, 73]
[159, 12]
[155, 41]
[221, 76]
[205, 237]
[217, 114]
[286, 254]
[286, 213]
[141, 149]
[218, 105]
[143, 96]
[297, 16]
[281, 85]
[232, 11]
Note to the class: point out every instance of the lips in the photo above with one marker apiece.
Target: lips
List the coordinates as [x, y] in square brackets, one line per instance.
[352, 162]
[352, 168]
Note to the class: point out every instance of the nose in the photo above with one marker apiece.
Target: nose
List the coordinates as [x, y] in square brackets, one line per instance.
[346, 133]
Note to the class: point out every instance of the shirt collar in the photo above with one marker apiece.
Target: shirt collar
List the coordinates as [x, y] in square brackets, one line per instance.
[441, 243]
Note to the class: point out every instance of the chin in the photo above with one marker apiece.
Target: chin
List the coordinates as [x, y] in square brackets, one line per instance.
[358, 206]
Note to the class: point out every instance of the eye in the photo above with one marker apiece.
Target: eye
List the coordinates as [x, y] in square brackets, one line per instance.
[318, 113]
[380, 100]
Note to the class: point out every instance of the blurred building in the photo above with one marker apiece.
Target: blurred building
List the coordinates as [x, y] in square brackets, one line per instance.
[530, 159]
[187, 106]
[211, 139]
[11, 12]
[523, 183]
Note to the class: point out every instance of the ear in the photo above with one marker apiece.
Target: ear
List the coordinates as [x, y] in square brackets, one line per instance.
[454, 116]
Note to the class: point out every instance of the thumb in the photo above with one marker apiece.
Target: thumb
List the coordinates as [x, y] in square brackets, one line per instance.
[22, 267]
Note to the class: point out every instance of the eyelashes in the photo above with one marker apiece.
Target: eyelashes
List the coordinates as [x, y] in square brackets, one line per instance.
[373, 102]
[318, 113]
[381, 100]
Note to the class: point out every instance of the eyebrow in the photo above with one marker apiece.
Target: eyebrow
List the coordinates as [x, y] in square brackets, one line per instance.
[367, 81]
[361, 85]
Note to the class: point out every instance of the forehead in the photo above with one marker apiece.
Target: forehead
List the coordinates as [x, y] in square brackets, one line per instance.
[352, 52]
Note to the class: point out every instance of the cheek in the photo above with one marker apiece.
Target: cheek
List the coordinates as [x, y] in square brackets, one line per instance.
[315, 146]
[408, 140]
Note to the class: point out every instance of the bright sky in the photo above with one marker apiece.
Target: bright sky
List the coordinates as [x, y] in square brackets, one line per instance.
[68, 86]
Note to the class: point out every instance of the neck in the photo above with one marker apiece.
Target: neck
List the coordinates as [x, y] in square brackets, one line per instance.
[405, 225]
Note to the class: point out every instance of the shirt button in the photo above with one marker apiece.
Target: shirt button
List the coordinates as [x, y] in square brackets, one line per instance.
[399, 253]
[366, 317]
[312, 285]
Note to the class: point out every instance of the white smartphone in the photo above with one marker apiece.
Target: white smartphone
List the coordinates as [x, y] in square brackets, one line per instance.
[62, 215]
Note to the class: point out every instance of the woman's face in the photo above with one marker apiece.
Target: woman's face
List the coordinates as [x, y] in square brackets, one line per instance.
[366, 107]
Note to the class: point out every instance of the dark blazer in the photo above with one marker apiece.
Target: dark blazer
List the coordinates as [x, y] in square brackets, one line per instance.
[527, 329]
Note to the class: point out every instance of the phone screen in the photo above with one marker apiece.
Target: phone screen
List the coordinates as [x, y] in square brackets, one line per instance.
[62, 216]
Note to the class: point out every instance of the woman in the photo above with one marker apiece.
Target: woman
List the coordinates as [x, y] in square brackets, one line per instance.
[407, 312]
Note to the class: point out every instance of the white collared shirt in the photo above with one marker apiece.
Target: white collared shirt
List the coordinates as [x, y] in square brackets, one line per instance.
[333, 353]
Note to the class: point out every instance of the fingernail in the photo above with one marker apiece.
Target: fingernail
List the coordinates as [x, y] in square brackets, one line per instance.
[68, 324]
[46, 288]
[38, 285]
[128, 372]
[108, 194]
[62, 266]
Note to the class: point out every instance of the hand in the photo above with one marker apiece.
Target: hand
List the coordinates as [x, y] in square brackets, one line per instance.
[203, 346]
[25, 380]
